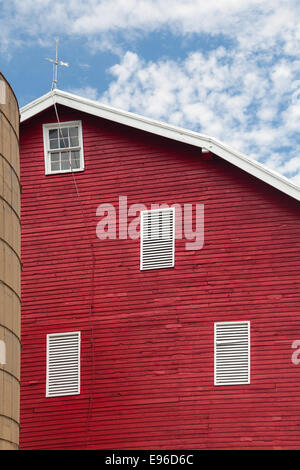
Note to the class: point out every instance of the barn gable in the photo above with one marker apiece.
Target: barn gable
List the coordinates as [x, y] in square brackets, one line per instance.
[196, 139]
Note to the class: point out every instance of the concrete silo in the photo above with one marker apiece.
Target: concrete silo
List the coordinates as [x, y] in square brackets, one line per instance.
[10, 268]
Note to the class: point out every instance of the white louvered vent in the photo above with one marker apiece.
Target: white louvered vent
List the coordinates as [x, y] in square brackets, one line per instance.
[63, 364]
[232, 353]
[157, 238]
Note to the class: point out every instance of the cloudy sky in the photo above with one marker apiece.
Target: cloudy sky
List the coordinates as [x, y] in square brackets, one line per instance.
[226, 68]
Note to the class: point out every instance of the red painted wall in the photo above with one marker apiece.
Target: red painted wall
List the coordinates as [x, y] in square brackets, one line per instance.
[147, 336]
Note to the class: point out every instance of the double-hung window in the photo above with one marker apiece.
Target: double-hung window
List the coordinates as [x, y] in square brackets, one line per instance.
[63, 147]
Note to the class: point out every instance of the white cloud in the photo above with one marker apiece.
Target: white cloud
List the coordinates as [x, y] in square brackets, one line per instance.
[254, 24]
[86, 92]
[221, 94]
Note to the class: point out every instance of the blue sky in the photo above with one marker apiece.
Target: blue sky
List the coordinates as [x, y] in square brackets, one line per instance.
[226, 68]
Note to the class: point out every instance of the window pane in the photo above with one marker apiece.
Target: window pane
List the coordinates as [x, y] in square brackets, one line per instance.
[74, 142]
[64, 156]
[65, 163]
[75, 159]
[55, 157]
[64, 143]
[53, 134]
[55, 166]
[73, 131]
[53, 143]
[63, 132]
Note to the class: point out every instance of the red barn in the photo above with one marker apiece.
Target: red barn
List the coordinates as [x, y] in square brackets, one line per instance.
[164, 341]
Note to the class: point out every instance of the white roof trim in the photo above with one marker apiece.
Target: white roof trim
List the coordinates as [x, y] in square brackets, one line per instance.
[247, 164]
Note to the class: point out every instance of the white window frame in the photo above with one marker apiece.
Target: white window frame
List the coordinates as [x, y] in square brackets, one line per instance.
[69, 333]
[142, 237]
[215, 353]
[50, 126]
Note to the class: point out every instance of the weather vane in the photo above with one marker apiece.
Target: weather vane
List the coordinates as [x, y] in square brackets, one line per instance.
[56, 63]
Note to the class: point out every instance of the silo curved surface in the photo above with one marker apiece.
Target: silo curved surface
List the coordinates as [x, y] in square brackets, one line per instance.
[10, 268]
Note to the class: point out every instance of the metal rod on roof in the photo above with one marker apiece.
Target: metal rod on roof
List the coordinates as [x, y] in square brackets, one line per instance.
[56, 63]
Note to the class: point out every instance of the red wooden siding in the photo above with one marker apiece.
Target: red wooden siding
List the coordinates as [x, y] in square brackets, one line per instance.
[147, 377]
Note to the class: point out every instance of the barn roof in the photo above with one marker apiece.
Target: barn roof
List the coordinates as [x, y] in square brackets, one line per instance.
[169, 131]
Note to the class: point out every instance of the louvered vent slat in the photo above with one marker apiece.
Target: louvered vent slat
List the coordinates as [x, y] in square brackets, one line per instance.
[157, 238]
[232, 353]
[63, 364]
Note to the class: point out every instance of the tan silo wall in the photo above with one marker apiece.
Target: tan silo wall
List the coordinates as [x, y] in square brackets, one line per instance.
[10, 269]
